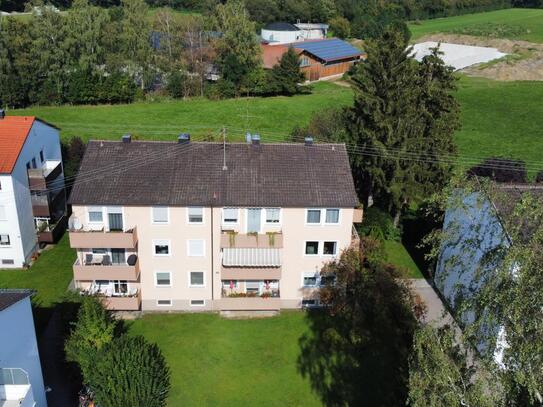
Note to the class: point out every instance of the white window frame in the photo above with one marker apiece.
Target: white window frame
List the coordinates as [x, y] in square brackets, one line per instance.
[230, 223]
[318, 248]
[203, 247]
[203, 215]
[329, 241]
[311, 223]
[272, 223]
[161, 242]
[338, 216]
[95, 209]
[163, 285]
[164, 305]
[203, 279]
[311, 274]
[153, 215]
[203, 304]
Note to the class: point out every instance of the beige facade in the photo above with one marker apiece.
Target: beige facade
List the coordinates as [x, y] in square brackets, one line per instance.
[236, 263]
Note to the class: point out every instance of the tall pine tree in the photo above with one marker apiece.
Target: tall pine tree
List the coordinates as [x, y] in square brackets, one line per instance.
[402, 123]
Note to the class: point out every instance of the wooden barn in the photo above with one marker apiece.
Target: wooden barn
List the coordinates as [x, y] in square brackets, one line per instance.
[318, 58]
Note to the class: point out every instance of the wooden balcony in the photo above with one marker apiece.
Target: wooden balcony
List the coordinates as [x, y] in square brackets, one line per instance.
[39, 178]
[132, 303]
[261, 241]
[249, 304]
[115, 240]
[251, 273]
[91, 272]
[52, 233]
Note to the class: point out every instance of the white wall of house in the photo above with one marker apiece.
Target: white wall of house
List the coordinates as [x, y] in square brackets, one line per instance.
[15, 195]
[18, 346]
[472, 230]
[281, 37]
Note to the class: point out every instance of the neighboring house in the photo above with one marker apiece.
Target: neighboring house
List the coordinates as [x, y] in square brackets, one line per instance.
[32, 195]
[473, 230]
[200, 226]
[318, 58]
[21, 381]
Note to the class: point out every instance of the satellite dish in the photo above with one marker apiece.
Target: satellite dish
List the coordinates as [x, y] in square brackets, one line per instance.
[75, 224]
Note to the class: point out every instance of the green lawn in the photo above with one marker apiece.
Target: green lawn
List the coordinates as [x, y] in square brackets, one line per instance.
[220, 362]
[399, 256]
[49, 275]
[164, 120]
[501, 118]
[498, 118]
[524, 24]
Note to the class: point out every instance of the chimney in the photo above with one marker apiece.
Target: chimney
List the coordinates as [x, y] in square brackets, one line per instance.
[2, 114]
[255, 139]
[248, 137]
[308, 141]
[183, 138]
[127, 138]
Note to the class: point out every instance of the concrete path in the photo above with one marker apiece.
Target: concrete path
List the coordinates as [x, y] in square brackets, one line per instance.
[437, 314]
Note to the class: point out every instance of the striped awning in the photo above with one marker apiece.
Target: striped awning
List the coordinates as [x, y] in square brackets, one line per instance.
[251, 257]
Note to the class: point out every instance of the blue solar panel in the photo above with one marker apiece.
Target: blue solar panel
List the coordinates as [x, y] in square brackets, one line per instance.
[330, 49]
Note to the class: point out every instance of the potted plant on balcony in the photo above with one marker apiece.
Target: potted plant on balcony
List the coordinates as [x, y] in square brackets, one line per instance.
[232, 237]
[271, 238]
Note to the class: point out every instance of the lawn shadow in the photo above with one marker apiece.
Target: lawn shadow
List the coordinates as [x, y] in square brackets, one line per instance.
[366, 370]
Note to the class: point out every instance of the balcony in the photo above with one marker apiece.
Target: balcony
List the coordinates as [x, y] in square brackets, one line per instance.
[249, 304]
[84, 239]
[50, 233]
[254, 241]
[251, 273]
[85, 271]
[126, 303]
[38, 178]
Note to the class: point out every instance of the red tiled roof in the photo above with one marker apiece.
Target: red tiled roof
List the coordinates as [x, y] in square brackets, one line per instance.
[271, 54]
[13, 132]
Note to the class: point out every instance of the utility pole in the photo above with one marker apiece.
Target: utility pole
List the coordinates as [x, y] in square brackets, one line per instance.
[224, 167]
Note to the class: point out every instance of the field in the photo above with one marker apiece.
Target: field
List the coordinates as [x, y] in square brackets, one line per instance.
[163, 120]
[521, 24]
[498, 118]
[230, 362]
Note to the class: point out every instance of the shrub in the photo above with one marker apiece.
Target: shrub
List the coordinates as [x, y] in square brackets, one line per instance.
[340, 27]
[93, 330]
[129, 371]
[379, 225]
[176, 84]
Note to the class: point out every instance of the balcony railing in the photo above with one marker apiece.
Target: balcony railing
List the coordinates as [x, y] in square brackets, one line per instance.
[84, 271]
[85, 238]
[249, 304]
[260, 241]
[130, 301]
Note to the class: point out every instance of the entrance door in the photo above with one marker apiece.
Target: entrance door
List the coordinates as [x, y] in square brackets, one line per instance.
[253, 220]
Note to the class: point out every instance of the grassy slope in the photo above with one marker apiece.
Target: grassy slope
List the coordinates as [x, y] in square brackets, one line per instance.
[498, 118]
[229, 362]
[501, 118]
[49, 275]
[164, 120]
[530, 19]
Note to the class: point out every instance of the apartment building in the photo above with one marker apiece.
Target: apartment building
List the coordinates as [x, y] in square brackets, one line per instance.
[32, 195]
[204, 226]
[21, 380]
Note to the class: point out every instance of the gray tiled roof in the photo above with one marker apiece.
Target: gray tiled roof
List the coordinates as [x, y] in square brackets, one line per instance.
[166, 173]
[8, 297]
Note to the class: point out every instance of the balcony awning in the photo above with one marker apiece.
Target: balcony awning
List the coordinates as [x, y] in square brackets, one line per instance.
[251, 257]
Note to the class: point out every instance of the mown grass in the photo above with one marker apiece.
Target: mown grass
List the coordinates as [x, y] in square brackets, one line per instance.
[49, 275]
[523, 24]
[220, 362]
[164, 119]
[399, 256]
[498, 118]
